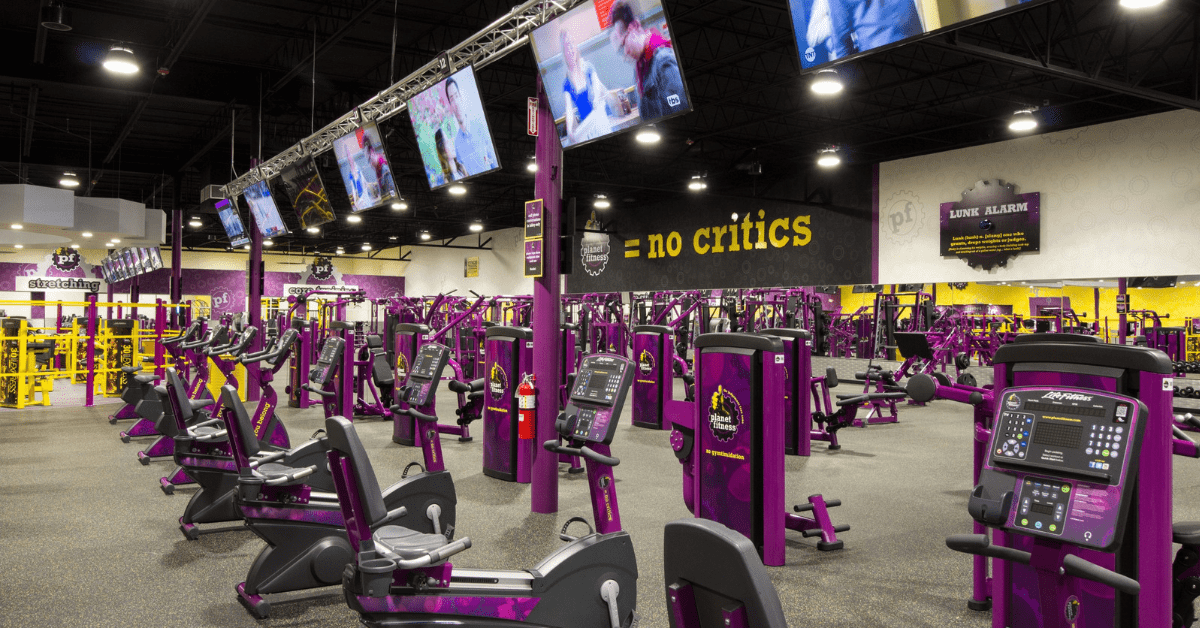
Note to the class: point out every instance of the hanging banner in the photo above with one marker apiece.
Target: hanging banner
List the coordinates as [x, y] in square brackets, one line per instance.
[991, 224]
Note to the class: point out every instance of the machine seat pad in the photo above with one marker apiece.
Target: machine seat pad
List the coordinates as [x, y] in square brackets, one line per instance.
[1186, 532]
[381, 370]
[145, 379]
[272, 469]
[130, 369]
[407, 543]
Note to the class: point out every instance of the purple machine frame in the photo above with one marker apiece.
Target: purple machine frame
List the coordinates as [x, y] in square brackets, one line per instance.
[654, 381]
[732, 450]
[408, 340]
[509, 357]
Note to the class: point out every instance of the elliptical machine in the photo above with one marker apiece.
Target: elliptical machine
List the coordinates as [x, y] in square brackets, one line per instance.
[401, 577]
[303, 524]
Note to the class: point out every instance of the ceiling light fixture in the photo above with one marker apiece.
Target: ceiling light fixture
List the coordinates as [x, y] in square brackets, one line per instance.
[366, 247]
[648, 134]
[56, 17]
[476, 227]
[120, 60]
[697, 183]
[69, 180]
[86, 234]
[601, 202]
[827, 83]
[18, 226]
[531, 165]
[393, 238]
[246, 246]
[353, 219]
[458, 189]
[425, 235]
[195, 222]
[116, 241]
[18, 246]
[1023, 120]
[399, 205]
[1128, 4]
[313, 230]
[268, 242]
[828, 157]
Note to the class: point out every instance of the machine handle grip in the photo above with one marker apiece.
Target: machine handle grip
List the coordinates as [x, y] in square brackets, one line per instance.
[857, 399]
[276, 480]
[1191, 420]
[456, 386]
[980, 545]
[324, 393]
[265, 458]
[1082, 568]
[874, 374]
[173, 341]
[553, 446]
[416, 414]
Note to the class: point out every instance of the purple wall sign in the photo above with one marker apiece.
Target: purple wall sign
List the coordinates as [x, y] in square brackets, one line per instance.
[498, 411]
[533, 258]
[533, 220]
[991, 224]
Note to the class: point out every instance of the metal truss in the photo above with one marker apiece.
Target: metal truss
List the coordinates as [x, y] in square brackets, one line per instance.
[497, 40]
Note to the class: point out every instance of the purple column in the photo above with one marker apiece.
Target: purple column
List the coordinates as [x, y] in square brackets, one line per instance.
[1121, 289]
[91, 348]
[1096, 312]
[176, 261]
[254, 306]
[135, 294]
[37, 311]
[547, 335]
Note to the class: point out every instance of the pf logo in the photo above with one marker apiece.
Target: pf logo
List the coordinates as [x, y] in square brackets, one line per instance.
[65, 259]
[221, 300]
[903, 215]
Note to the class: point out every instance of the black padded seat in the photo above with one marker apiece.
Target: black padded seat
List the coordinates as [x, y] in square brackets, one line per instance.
[203, 402]
[145, 379]
[1186, 533]
[131, 369]
[407, 543]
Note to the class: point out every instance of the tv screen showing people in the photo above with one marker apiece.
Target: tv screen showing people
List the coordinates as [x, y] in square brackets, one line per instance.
[830, 30]
[266, 213]
[365, 168]
[303, 185]
[156, 257]
[609, 66]
[452, 130]
[232, 222]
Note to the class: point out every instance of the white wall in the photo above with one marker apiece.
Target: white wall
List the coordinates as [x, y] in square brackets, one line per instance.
[1117, 199]
[501, 270]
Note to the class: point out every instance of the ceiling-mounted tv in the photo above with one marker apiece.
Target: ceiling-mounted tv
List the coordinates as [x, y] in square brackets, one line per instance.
[365, 169]
[303, 185]
[835, 30]
[608, 66]
[266, 214]
[156, 261]
[452, 130]
[232, 222]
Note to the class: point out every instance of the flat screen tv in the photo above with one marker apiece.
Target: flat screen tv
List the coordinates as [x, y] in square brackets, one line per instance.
[365, 168]
[156, 261]
[303, 185]
[452, 130]
[609, 66]
[266, 214]
[129, 258]
[232, 222]
[106, 269]
[833, 30]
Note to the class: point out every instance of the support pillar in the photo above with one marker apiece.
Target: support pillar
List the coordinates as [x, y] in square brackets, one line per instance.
[1122, 319]
[254, 305]
[547, 293]
[177, 250]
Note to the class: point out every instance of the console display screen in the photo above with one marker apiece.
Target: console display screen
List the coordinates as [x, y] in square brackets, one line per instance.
[1033, 406]
[426, 362]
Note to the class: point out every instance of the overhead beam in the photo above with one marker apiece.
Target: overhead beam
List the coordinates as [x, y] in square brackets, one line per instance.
[1064, 73]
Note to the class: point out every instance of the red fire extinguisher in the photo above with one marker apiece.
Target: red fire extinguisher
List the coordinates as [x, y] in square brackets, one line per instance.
[527, 401]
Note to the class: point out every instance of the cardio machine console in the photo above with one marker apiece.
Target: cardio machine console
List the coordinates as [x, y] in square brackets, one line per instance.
[328, 361]
[1066, 461]
[426, 372]
[597, 398]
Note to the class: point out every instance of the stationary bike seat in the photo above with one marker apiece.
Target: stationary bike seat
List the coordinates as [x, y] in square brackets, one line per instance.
[407, 543]
[273, 470]
[144, 379]
[1186, 533]
[130, 369]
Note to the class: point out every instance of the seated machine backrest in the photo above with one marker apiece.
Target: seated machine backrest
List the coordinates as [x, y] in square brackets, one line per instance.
[178, 403]
[343, 439]
[242, 425]
[381, 369]
[722, 566]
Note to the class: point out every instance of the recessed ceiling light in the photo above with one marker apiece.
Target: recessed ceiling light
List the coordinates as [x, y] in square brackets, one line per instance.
[458, 189]
[268, 242]
[393, 238]
[18, 246]
[353, 218]
[18, 226]
[827, 83]
[116, 241]
[195, 223]
[697, 183]
[425, 235]
[828, 158]
[601, 202]
[476, 227]
[120, 60]
[69, 180]
[86, 234]
[366, 247]
[648, 134]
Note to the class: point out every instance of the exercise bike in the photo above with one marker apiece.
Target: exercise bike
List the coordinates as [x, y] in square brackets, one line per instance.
[400, 577]
[302, 523]
[141, 387]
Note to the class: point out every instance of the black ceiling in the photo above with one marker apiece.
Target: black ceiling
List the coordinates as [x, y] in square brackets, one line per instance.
[1081, 62]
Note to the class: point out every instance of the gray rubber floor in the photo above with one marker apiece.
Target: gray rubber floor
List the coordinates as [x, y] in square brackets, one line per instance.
[88, 539]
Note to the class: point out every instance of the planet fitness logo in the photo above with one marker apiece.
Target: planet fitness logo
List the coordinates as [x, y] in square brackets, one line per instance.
[725, 415]
[65, 259]
[497, 382]
[1012, 402]
[646, 362]
[322, 268]
[401, 366]
[594, 248]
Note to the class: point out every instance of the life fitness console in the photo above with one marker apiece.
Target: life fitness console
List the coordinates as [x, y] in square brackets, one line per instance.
[1062, 465]
[597, 399]
[425, 374]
